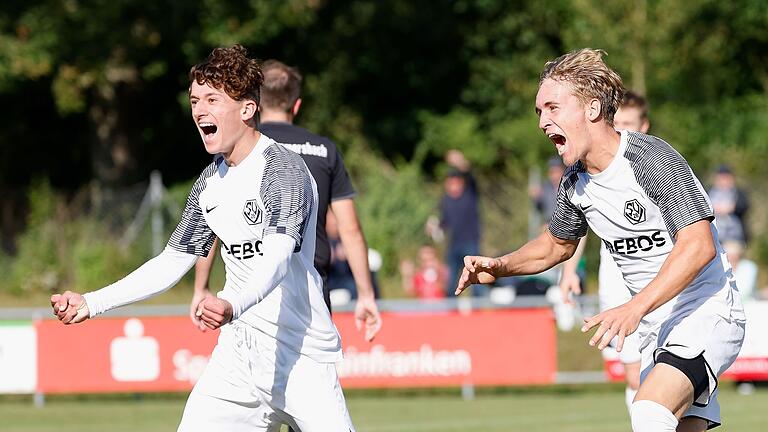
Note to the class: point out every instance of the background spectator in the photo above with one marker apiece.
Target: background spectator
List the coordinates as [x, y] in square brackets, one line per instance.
[341, 281]
[459, 218]
[428, 281]
[544, 196]
[744, 270]
[731, 205]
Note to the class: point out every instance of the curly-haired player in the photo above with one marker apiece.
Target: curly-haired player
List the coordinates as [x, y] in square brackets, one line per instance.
[274, 361]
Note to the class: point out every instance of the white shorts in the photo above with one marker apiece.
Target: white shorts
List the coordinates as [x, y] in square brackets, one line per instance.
[613, 292]
[718, 339]
[243, 390]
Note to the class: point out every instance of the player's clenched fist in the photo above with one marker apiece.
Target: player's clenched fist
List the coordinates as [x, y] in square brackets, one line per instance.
[214, 312]
[70, 307]
[478, 270]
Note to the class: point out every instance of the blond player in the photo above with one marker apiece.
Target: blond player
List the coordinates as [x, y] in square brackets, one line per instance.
[645, 203]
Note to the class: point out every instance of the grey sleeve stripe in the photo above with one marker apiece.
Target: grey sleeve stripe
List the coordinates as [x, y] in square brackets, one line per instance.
[668, 180]
[192, 235]
[568, 222]
[286, 191]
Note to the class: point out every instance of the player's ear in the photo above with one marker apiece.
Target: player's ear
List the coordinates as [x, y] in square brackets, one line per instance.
[645, 126]
[296, 107]
[594, 108]
[248, 110]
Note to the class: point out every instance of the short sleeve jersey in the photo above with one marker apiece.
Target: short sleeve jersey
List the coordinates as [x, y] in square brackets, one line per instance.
[637, 205]
[269, 192]
[327, 167]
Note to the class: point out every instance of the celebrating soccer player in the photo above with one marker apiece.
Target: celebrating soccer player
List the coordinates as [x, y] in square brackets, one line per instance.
[645, 203]
[274, 361]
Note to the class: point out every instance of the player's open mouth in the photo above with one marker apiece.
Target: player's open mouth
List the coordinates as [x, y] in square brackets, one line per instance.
[208, 129]
[559, 142]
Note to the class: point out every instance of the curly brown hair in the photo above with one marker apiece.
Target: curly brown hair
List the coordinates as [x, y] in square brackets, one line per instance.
[231, 70]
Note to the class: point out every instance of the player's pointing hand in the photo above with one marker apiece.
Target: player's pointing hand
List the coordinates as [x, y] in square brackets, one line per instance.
[477, 270]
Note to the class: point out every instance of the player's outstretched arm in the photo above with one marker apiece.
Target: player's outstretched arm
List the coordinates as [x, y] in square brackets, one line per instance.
[536, 256]
[152, 278]
[367, 316]
[694, 248]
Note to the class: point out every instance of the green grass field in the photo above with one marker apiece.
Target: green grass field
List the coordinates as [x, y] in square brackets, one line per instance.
[573, 409]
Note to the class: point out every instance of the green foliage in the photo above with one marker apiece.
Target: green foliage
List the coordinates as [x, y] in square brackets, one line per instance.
[394, 206]
[459, 129]
[38, 265]
[394, 83]
[63, 249]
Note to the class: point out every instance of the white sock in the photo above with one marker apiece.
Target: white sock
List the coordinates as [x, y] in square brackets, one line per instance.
[649, 416]
[629, 397]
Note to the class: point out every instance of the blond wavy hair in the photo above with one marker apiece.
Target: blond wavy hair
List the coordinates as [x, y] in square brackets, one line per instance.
[589, 78]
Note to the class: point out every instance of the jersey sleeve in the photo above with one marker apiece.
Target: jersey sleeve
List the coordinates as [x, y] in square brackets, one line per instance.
[568, 222]
[341, 185]
[669, 182]
[287, 194]
[154, 277]
[192, 235]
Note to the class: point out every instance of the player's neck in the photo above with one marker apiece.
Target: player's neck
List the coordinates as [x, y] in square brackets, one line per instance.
[275, 116]
[243, 147]
[604, 146]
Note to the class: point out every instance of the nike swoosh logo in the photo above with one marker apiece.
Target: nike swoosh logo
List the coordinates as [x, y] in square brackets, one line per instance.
[583, 207]
[676, 345]
[208, 210]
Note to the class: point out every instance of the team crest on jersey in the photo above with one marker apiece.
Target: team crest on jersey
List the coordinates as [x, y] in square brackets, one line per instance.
[251, 212]
[634, 211]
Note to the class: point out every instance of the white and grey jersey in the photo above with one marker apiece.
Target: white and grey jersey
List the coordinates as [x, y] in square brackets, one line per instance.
[636, 206]
[269, 192]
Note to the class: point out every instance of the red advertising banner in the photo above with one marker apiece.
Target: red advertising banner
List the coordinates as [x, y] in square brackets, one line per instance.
[121, 355]
[491, 347]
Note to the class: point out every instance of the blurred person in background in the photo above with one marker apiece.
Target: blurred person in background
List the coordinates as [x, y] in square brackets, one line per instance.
[544, 196]
[428, 280]
[643, 200]
[731, 206]
[341, 280]
[274, 362]
[280, 104]
[744, 270]
[632, 115]
[459, 217]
